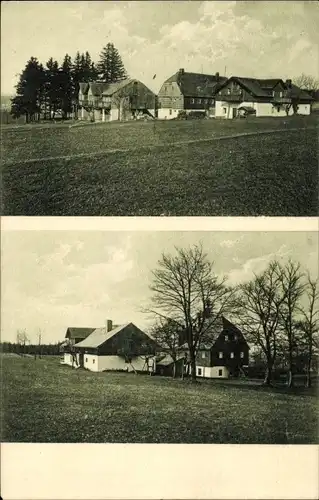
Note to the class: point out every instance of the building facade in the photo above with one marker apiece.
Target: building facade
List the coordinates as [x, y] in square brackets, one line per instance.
[264, 97]
[124, 348]
[188, 92]
[122, 101]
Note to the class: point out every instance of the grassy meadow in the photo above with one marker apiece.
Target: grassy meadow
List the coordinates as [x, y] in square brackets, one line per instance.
[43, 401]
[179, 168]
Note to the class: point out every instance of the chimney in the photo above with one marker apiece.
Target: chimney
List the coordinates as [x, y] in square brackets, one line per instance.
[181, 71]
[288, 83]
[109, 325]
[217, 76]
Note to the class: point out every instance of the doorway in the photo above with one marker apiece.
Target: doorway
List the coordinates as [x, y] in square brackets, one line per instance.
[234, 112]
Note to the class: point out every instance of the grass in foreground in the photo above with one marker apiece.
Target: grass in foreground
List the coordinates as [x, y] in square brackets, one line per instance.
[46, 402]
[275, 174]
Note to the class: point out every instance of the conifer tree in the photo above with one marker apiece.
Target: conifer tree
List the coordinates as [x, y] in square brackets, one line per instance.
[67, 87]
[53, 87]
[29, 92]
[110, 66]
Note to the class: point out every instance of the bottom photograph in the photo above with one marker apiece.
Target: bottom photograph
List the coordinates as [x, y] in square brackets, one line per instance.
[159, 337]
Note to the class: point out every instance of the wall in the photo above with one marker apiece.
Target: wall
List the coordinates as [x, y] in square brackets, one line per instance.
[304, 109]
[212, 372]
[68, 359]
[167, 113]
[97, 363]
[220, 105]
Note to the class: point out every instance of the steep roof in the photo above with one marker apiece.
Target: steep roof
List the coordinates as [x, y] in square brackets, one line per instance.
[78, 333]
[220, 325]
[196, 84]
[100, 335]
[298, 93]
[111, 88]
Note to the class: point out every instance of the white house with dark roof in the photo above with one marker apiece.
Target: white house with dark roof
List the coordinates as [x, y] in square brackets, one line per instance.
[189, 92]
[262, 97]
[119, 347]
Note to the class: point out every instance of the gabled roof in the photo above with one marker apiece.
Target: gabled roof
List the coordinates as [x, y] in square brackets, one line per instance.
[111, 88]
[196, 84]
[78, 333]
[97, 88]
[100, 335]
[298, 93]
[252, 85]
[220, 325]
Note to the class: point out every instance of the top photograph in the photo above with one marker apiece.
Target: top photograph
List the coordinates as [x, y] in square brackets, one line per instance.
[159, 108]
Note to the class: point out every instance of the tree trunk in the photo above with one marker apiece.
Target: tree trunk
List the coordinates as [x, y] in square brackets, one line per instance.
[268, 374]
[174, 369]
[308, 379]
[290, 381]
[193, 366]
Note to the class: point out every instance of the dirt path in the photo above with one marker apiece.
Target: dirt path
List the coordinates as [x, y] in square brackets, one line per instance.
[154, 146]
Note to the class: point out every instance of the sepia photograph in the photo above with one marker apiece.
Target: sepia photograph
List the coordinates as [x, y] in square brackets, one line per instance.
[201, 337]
[159, 108]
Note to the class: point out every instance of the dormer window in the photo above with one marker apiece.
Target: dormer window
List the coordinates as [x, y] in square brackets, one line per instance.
[226, 338]
[280, 94]
[232, 355]
[242, 355]
[220, 355]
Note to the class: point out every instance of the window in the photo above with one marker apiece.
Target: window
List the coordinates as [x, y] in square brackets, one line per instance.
[280, 94]
[232, 355]
[226, 338]
[235, 337]
[204, 354]
[228, 91]
[220, 355]
[170, 111]
[199, 101]
[86, 360]
[273, 93]
[199, 371]
[220, 373]
[192, 101]
[242, 355]
[225, 110]
[93, 361]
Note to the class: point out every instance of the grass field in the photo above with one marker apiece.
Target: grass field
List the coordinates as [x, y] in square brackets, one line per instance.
[43, 401]
[172, 168]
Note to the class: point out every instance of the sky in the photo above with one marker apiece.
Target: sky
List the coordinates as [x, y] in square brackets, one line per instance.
[55, 279]
[249, 38]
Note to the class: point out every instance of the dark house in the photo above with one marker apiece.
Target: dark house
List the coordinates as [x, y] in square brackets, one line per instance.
[224, 353]
[188, 92]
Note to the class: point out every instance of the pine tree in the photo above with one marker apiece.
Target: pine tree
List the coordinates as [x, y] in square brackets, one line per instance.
[29, 92]
[53, 87]
[110, 67]
[67, 86]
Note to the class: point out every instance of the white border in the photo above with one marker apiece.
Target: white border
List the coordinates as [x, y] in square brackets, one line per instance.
[140, 472]
[160, 223]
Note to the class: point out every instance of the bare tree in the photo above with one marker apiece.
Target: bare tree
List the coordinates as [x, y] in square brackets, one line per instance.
[309, 324]
[21, 339]
[186, 289]
[166, 333]
[259, 304]
[291, 279]
[306, 82]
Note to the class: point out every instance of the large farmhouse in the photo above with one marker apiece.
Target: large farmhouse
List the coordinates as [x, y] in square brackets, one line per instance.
[223, 354]
[124, 347]
[125, 100]
[188, 92]
[262, 97]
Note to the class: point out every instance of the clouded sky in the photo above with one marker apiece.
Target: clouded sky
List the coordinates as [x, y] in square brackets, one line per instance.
[55, 279]
[249, 38]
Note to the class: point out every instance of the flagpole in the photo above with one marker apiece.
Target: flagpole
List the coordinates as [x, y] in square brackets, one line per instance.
[154, 128]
